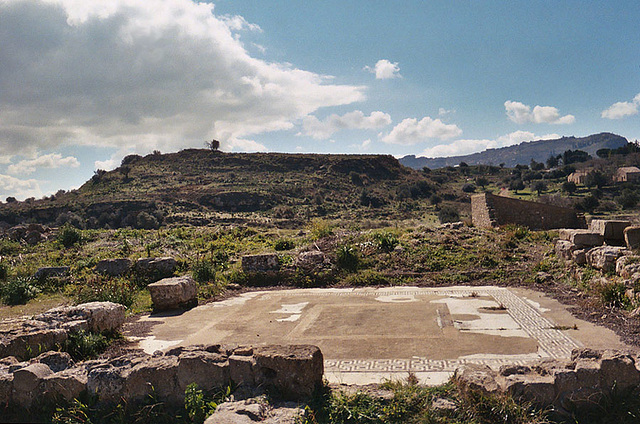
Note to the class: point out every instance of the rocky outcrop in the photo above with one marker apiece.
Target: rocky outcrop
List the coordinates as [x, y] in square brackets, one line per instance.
[577, 383]
[260, 263]
[289, 372]
[173, 293]
[26, 337]
[113, 267]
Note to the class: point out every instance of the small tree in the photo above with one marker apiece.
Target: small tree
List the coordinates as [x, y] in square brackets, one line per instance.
[482, 181]
[539, 186]
[516, 185]
[212, 145]
[569, 187]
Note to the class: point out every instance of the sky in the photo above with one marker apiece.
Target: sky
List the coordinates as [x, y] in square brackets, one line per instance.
[84, 83]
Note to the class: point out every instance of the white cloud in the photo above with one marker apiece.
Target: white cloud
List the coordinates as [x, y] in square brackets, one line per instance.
[411, 131]
[238, 23]
[51, 161]
[20, 189]
[465, 147]
[620, 110]
[322, 130]
[442, 111]
[364, 146]
[155, 74]
[521, 113]
[385, 69]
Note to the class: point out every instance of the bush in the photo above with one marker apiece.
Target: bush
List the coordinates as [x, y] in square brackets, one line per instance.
[469, 188]
[82, 345]
[100, 289]
[203, 271]
[385, 241]
[283, 244]
[4, 272]
[448, 214]
[68, 236]
[18, 291]
[320, 228]
[347, 257]
[627, 199]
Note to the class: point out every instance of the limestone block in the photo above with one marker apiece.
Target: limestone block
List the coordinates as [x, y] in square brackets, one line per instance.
[241, 370]
[632, 237]
[260, 263]
[113, 267]
[157, 374]
[618, 370]
[208, 370]
[581, 238]
[173, 293]
[312, 259]
[6, 387]
[627, 265]
[155, 269]
[611, 230]
[68, 384]
[52, 271]
[107, 381]
[26, 381]
[478, 377]
[28, 341]
[579, 256]
[293, 371]
[537, 389]
[102, 316]
[604, 257]
[56, 361]
[564, 249]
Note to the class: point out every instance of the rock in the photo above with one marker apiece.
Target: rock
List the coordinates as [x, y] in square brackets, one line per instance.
[67, 384]
[537, 389]
[581, 238]
[56, 361]
[604, 257]
[241, 370]
[478, 377]
[256, 410]
[611, 230]
[33, 237]
[564, 249]
[626, 266]
[208, 370]
[155, 269]
[443, 404]
[618, 370]
[312, 260]
[295, 372]
[52, 271]
[632, 237]
[452, 225]
[157, 374]
[23, 342]
[260, 263]
[113, 267]
[543, 278]
[6, 387]
[103, 316]
[173, 293]
[580, 256]
[25, 382]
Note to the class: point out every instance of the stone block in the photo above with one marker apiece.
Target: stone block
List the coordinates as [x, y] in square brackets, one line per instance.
[56, 361]
[260, 263]
[579, 256]
[67, 384]
[564, 249]
[157, 375]
[6, 387]
[537, 389]
[208, 370]
[155, 269]
[632, 237]
[618, 370]
[26, 382]
[173, 293]
[604, 257]
[102, 316]
[51, 271]
[293, 372]
[113, 267]
[627, 265]
[241, 370]
[611, 230]
[478, 377]
[581, 238]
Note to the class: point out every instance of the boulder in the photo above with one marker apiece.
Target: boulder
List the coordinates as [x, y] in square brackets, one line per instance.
[260, 263]
[632, 237]
[6, 387]
[604, 257]
[611, 230]
[67, 384]
[295, 371]
[628, 265]
[564, 249]
[312, 259]
[26, 382]
[56, 361]
[52, 271]
[581, 238]
[154, 269]
[113, 267]
[102, 316]
[478, 377]
[208, 370]
[173, 293]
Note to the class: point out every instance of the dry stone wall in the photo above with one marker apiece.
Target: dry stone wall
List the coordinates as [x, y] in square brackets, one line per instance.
[488, 210]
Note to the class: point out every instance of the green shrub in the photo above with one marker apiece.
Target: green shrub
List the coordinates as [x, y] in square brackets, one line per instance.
[68, 236]
[9, 247]
[283, 244]
[448, 214]
[320, 228]
[4, 272]
[347, 257]
[198, 408]
[18, 291]
[101, 289]
[203, 271]
[83, 345]
[385, 241]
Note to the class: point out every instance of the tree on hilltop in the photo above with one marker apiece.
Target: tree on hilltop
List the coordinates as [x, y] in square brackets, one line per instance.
[212, 145]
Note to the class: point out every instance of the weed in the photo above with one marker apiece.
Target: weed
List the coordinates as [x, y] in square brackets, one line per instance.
[69, 236]
[320, 228]
[18, 291]
[203, 271]
[613, 295]
[84, 345]
[283, 244]
[104, 289]
[347, 257]
[385, 241]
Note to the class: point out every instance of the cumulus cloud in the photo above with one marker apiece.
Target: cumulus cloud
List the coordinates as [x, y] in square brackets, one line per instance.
[411, 131]
[385, 69]
[465, 147]
[51, 161]
[521, 113]
[621, 110]
[155, 74]
[20, 189]
[322, 130]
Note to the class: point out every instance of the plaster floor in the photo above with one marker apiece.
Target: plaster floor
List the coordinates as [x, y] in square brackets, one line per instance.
[370, 334]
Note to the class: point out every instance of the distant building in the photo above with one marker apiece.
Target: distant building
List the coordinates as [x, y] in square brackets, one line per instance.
[578, 177]
[627, 174]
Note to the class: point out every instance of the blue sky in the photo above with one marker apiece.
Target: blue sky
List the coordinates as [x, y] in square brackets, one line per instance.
[85, 82]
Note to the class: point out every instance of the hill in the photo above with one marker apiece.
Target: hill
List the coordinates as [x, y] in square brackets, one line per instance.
[522, 154]
[202, 186]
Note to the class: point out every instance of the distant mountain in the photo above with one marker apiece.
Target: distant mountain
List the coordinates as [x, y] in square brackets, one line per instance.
[521, 154]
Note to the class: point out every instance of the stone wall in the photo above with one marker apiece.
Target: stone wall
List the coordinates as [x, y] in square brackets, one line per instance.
[488, 210]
